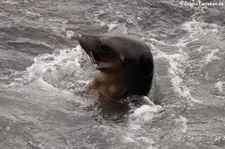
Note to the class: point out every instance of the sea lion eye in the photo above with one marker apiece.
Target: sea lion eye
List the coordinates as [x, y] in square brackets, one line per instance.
[103, 47]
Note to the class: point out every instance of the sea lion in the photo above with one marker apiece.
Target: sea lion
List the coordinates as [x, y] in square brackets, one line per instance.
[125, 65]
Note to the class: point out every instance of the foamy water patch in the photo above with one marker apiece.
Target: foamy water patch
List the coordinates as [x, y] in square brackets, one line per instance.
[114, 25]
[212, 56]
[208, 40]
[176, 70]
[200, 49]
[138, 120]
[178, 63]
[29, 13]
[12, 2]
[176, 73]
[220, 86]
[183, 124]
[50, 62]
[69, 34]
[194, 28]
[130, 138]
[111, 26]
[144, 114]
[26, 40]
[62, 69]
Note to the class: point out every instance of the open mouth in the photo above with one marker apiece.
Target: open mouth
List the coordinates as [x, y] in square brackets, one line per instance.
[92, 57]
[93, 54]
[100, 65]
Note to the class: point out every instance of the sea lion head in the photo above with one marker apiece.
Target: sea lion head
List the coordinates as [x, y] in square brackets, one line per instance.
[125, 65]
[104, 51]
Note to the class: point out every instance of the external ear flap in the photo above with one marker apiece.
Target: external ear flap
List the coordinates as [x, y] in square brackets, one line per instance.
[122, 58]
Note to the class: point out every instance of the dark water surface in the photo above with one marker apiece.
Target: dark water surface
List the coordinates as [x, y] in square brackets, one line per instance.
[44, 73]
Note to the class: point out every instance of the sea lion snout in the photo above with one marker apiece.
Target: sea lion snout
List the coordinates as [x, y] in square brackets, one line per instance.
[100, 52]
[89, 44]
[88, 40]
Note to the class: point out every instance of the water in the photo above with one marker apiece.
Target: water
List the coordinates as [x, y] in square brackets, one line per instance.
[44, 74]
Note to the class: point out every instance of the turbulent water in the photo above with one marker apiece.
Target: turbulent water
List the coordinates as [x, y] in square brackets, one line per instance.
[44, 74]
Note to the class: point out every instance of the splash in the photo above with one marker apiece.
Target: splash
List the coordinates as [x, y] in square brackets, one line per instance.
[176, 69]
[61, 69]
[198, 33]
[144, 114]
[211, 56]
[12, 2]
[140, 118]
[196, 28]
[219, 86]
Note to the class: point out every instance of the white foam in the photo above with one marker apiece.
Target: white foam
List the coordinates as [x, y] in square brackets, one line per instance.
[137, 120]
[29, 13]
[146, 109]
[102, 23]
[43, 85]
[194, 28]
[144, 114]
[151, 147]
[111, 26]
[159, 42]
[176, 62]
[23, 40]
[211, 56]
[219, 86]
[200, 48]
[182, 43]
[146, 98]
[133, 137]
[69, 34]
[183, 122]
[66, 59]
[128, 138]
[12, 2]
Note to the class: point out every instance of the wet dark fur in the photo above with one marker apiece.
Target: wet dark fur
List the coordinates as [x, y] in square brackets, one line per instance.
[125, 65]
